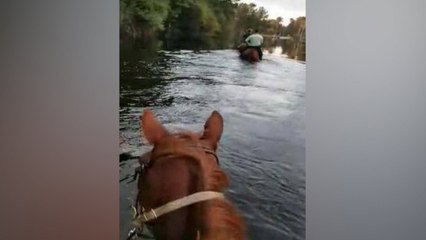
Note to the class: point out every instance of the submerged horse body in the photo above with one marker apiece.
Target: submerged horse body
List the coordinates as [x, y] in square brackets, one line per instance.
[248, 53]
[181, 167]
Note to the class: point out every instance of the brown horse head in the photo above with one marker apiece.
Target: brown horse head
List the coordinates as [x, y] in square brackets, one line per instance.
[180, 166]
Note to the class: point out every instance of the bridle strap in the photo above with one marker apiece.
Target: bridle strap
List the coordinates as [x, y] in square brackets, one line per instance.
[211, 152]
[151, 214]
[205, 149]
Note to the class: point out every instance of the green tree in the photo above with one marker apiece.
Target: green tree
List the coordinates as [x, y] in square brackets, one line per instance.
[296, 46]
[142, 18]
[199, 24]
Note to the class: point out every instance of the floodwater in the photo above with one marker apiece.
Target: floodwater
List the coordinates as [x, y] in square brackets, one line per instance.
[262, 149]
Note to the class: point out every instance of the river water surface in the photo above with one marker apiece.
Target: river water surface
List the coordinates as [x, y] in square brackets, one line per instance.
[262, 149]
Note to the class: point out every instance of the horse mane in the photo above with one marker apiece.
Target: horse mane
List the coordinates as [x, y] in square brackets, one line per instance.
[224, 223]
[220, 218]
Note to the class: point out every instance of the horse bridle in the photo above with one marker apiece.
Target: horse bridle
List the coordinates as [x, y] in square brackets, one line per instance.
[146, 216]
[144, 165]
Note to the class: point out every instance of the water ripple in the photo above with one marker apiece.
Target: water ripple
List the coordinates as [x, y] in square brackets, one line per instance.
[262, 148]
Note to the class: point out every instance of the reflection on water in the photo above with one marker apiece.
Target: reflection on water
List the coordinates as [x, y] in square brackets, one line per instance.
[263, 145]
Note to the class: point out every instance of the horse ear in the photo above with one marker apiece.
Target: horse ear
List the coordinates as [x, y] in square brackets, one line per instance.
[151, 128]
[213, 128]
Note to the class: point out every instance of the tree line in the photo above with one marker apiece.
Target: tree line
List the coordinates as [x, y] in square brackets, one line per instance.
[201, 24]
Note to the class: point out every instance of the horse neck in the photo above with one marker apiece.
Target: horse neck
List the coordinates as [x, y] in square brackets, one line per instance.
[219, 219]
[215, 219]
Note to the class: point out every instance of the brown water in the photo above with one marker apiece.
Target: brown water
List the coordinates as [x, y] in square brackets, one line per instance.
[263, 145]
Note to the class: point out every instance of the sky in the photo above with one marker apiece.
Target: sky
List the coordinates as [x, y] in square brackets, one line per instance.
[281, 8]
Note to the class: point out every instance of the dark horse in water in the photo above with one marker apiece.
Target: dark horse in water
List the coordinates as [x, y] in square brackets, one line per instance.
[248, 54]
[180, 186]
